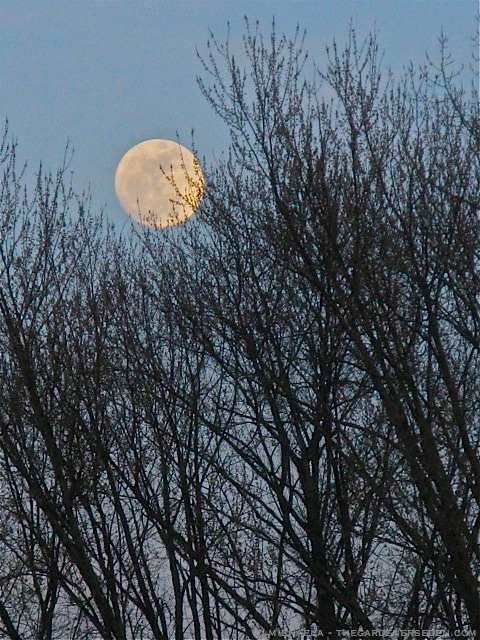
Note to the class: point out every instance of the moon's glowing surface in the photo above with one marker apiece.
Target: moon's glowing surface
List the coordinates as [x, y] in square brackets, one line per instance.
[159, 183]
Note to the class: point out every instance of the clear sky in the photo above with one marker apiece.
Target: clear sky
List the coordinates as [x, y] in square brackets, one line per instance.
[109, 74]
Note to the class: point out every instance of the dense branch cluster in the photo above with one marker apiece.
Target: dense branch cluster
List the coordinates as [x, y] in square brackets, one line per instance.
[267, 419]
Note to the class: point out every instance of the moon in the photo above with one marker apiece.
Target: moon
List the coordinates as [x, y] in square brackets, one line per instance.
[159, 183]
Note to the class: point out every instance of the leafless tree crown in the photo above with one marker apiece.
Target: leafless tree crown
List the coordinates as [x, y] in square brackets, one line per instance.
[269, 418]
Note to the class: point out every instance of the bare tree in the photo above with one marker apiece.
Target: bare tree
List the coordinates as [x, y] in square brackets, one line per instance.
[267, 418]
[372, 201]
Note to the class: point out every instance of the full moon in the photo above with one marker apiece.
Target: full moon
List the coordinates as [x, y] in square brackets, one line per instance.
[159, 183]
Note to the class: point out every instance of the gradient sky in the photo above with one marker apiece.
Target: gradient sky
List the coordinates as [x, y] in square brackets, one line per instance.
[107, 75]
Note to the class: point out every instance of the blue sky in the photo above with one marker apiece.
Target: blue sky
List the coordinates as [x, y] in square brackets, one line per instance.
[109, 74]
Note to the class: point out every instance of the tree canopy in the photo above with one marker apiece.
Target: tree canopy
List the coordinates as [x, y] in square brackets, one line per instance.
[268, 420]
